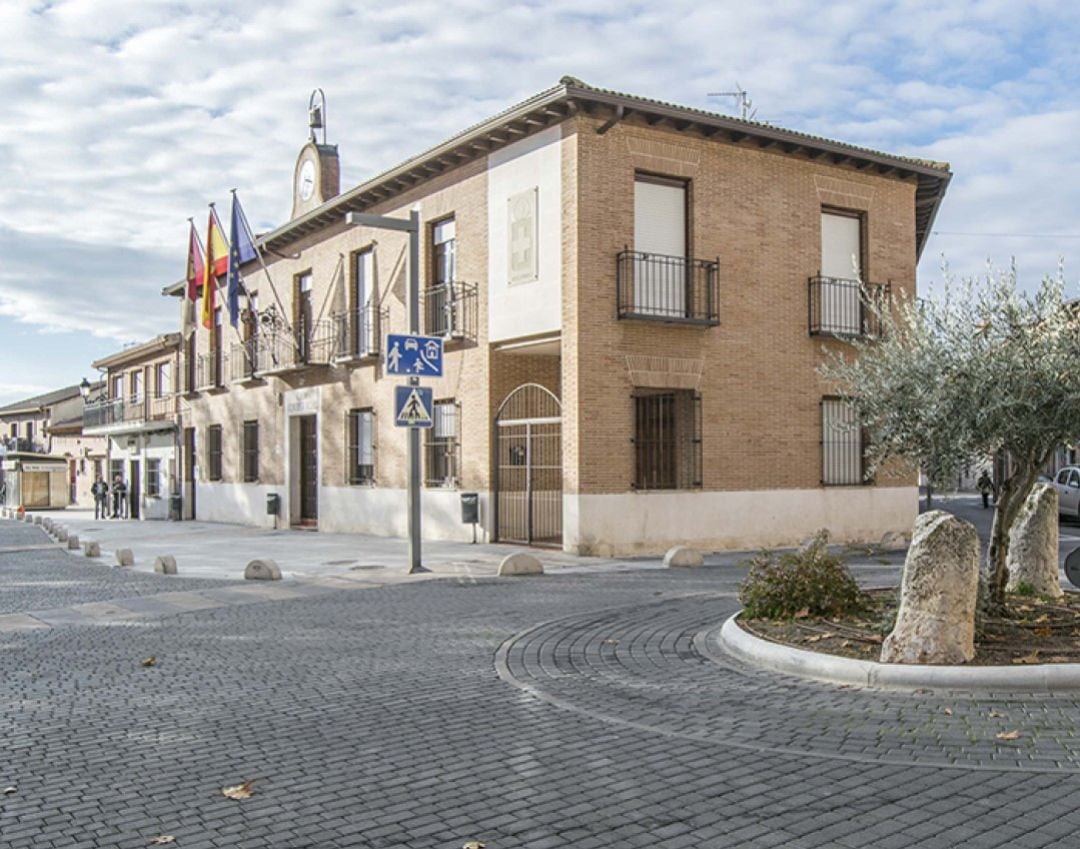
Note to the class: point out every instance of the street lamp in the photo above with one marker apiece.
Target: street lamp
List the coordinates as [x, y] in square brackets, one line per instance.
[412, 227]
[84, 388]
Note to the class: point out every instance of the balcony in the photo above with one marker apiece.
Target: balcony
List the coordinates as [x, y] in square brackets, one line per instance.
[208, 371]
[450, 310]
[117, 414]
[242, 359]
[18, 443]
[672, 289]
[356, 333]
[846, 309]
[281, 350]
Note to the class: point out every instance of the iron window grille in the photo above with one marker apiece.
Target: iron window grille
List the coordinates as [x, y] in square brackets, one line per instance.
[667, 288]
[843, 444]
[360, 440]
[250, 451]
[443, 448]
[667, 439]
[213, 452]
[846, 308]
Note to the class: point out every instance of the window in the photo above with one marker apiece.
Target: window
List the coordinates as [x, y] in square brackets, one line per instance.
[14, 430]
[97, 469]
[116, 470]
[439, 319]
[363, 315]
[251, 451]
[660, 246]
[216, 377]
[304, 316]
[213, 452]
[189, 364]
[442, 446]
[841, 444]
[667, 439]
[163, 380]
[117, 391]
[29, 436]
[361, 444]
[840, 301]
[136, 384]
[153, 477]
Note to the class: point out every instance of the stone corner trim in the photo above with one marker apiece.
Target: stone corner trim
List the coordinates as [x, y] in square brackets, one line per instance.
[739, 643]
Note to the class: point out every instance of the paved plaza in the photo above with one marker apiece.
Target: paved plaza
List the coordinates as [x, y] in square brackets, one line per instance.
[584, 708]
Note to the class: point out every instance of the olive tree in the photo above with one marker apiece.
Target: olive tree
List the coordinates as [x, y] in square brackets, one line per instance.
[983, 368]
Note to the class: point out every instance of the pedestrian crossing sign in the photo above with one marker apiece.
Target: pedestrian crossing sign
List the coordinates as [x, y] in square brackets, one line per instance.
[413, 406]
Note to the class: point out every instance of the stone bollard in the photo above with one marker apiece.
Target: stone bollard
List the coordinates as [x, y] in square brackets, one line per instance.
[165, 565]
[124, 557]
[37, 520]
[61, 534]
[73, 542]
[1033, 544]
[520, 563]
[262, 570]
[47, 523]
[681, 556]
[91, 548]
[936, 620]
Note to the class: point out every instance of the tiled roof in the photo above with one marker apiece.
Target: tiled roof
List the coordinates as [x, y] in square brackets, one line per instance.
[39, 401]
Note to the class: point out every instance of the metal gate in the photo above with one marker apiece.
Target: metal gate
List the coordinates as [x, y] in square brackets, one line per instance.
[528, 467]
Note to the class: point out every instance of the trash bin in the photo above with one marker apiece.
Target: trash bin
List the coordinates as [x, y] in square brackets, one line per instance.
[176, 507]
[470, 508]
[273, 504]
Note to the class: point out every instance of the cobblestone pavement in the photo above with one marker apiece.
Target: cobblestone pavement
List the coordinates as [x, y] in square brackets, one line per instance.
[561, 711]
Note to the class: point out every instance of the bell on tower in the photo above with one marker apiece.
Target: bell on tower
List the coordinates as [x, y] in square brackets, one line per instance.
[317, 176]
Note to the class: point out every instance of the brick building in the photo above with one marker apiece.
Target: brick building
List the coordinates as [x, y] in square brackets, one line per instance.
[136, 413]
[634, 297]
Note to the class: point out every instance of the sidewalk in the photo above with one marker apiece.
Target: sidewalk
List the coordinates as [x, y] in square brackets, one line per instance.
[215, 550]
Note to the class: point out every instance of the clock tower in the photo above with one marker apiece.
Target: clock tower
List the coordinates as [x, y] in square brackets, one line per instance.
[317, 175]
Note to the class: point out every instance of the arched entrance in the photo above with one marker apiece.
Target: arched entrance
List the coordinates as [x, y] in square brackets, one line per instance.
[528, 467]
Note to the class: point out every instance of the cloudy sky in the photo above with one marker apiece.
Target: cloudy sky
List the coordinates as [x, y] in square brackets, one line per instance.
[122, 119]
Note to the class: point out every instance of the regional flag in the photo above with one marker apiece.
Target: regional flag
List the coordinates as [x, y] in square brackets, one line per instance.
[217, 264]
[241, 250]
[194, 277]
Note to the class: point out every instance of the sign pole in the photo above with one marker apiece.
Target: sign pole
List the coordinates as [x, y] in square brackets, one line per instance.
[415, 564]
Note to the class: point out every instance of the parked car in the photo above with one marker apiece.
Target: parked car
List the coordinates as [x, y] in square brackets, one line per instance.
[1067, 484]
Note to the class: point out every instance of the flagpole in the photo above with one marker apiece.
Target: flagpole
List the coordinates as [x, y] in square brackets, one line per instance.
[266, 271]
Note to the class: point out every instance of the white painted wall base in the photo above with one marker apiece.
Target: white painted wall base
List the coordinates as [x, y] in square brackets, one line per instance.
[652, 522]
[237, 503]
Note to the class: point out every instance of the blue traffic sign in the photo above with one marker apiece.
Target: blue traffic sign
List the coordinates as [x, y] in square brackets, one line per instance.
[414, 356]
[413, 406]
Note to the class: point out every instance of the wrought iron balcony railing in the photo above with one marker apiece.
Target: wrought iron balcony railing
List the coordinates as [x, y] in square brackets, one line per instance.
[209, 370]
[356, 333]
[846, 308]
[667, 288]
[242, 359]
[450, 310]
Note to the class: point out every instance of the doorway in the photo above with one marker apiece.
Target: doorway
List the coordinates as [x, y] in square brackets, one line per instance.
[528, 468]
[309, 470]
[134, 495]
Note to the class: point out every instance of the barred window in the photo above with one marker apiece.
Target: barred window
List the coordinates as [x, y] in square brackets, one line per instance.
[842, 459]
[250, 451]
[153, 477]
[443, 445]
[213, 452]
[360, 439]
[667, 439]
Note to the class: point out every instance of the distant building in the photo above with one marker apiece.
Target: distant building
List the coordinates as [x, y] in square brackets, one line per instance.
[634, 298]
[136, 414]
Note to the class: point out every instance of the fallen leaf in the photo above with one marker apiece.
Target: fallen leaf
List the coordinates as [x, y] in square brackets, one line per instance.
[1042, 632]
[240, 791]
[474, 844]
[947, 711]
[1029, 658]
[9, 790]
[802, 614]
[845, 644]
[876, 638]
[1008, 735]
[1026, 608]
[817, 637]
[150, 661]
[162, 839]
[994, 714]
[1040, 619]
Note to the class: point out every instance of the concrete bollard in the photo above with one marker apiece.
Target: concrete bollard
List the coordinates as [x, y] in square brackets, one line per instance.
[37, 520]
[124, 557]
[92, 549]
[73, 542]
[262, 570]
[165, 565]
[61, 534]
[47, 523]
[520, 563]
[681, 556]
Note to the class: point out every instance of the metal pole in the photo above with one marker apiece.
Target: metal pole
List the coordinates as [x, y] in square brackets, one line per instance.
[415, 564]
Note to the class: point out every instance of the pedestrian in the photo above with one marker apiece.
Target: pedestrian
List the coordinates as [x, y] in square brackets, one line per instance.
[100, 490]
[986, 486]
[119, 502]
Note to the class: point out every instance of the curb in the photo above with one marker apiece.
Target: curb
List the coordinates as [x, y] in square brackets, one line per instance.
[741, 644]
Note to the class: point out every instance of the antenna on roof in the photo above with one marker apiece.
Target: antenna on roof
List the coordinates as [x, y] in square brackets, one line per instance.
[746, 105]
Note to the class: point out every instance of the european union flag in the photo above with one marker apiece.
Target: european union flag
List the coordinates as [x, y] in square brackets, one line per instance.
[241, 250]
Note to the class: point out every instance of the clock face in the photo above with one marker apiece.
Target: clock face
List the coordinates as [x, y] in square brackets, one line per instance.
[305, 181]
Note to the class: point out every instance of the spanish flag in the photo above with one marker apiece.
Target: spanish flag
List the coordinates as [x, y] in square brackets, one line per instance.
[194, 277]
[217, 264]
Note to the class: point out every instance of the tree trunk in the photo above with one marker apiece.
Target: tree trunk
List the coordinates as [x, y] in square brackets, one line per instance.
[1014, 491]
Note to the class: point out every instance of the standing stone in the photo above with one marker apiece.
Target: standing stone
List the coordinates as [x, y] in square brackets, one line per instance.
[1033, 544]
[936, 621]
